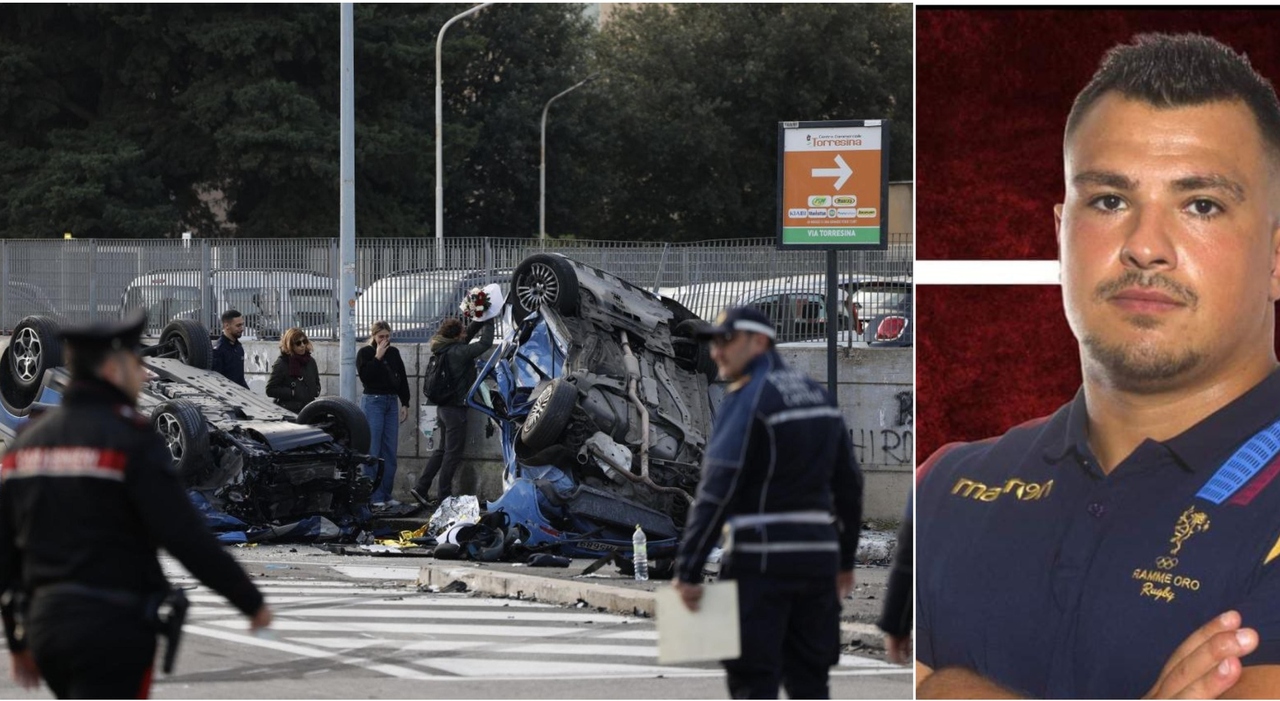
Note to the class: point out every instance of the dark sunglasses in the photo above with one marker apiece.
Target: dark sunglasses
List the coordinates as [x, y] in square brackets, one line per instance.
[300, 342]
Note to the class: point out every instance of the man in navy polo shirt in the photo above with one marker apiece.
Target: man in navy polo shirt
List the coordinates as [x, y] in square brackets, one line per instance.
[1129, 544]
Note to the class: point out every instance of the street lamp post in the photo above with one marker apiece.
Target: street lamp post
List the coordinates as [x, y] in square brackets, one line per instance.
[542, 169]
[439, 135]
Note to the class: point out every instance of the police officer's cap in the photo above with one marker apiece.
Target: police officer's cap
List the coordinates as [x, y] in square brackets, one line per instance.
[124, 334]
[738, 319]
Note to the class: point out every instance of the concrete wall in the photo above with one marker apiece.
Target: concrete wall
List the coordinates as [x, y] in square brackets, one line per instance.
[874, 387]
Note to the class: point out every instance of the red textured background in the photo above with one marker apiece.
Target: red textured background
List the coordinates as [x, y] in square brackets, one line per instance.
[993, 88]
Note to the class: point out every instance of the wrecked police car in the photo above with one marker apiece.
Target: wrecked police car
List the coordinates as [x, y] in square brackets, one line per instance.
[238, 453]
[601, 396]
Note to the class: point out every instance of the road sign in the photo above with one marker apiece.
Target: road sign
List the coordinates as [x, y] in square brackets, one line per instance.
[833, 184]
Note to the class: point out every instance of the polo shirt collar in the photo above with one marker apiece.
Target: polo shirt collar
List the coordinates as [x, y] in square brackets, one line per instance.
[1204, 446]
[1208, 444]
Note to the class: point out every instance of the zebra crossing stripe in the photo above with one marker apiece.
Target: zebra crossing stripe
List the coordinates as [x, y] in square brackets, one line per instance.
[402, 600]
[446, 615]
[354, 631]
[463, 629]
[503, 667]
[398, 671]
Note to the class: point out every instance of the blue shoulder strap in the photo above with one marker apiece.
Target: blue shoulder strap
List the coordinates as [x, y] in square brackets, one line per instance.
[1255, 454]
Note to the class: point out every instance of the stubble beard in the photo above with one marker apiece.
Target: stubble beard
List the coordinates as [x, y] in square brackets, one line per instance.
[1140, 367]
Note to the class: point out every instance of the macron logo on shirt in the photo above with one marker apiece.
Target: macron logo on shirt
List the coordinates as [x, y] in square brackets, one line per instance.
[1020, 490]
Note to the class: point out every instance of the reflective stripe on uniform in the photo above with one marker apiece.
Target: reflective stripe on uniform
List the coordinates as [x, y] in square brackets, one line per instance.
[64, 461]
[810, 412]
[750, 520]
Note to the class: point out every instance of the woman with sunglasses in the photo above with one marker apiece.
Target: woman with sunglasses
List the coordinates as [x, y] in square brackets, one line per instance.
[295, 379]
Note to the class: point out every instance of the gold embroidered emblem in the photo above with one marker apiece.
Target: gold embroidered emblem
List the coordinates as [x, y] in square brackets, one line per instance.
[1163, 583]
[1189, 523]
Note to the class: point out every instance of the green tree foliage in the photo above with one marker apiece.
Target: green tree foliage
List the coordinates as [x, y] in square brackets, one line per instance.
[678, 140]
[148, 120]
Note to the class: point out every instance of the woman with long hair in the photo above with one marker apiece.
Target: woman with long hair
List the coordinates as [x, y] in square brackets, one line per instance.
[386, 405]
[295, 377]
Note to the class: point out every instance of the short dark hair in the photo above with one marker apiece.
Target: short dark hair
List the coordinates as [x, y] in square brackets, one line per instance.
[1182, 70]
[451, 327]
[230, 315]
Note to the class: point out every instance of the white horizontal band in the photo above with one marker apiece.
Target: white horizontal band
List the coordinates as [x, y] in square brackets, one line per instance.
[748, 520]
[754, 326]
[809, 412]
[987, 272]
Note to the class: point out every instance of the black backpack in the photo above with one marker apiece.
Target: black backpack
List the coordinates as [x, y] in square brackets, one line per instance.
[439, 385]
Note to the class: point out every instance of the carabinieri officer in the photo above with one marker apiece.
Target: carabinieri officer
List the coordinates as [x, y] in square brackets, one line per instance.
[87, 493]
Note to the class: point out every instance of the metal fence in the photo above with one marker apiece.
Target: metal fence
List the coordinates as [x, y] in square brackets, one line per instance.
[280, 283]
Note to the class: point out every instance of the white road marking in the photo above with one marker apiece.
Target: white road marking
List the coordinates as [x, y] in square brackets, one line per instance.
[503, 667]
[387, 631]
[306, 651]
[282, 623]
[376, 572]
[550, 616]
[384, 598]
[633, 635]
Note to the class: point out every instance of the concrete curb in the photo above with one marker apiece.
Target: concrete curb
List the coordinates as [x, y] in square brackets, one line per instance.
[525, 586]
[569, 592]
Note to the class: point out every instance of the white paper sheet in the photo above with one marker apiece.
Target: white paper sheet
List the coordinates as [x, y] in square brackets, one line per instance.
[710, 634]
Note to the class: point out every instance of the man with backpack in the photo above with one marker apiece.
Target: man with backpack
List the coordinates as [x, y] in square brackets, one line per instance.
[450, 373]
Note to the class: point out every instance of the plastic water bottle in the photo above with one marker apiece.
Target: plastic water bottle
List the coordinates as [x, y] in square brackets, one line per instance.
[640, 548]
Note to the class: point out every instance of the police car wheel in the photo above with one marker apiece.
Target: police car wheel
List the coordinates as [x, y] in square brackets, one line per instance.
[549, 414]
[185, 432]
[189, 341]
[341, 419]
[16, 400]
[33, 348]
[540, 280]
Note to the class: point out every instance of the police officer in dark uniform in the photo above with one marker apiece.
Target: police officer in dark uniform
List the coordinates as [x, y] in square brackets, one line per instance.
[87, 494]
[780, 478]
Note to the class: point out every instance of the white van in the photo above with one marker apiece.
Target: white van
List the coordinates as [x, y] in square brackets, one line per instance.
[271, 300]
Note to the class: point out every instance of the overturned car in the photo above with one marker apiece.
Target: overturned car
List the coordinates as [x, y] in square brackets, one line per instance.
[239, 453]
[603, 402]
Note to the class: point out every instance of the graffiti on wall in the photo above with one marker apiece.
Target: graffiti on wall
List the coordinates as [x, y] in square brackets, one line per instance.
[888, 446]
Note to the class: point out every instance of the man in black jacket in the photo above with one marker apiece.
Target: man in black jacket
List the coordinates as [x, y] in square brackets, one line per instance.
[79, 592]
[459, 354]
[228, 353]
[780, 475]
[895, 617]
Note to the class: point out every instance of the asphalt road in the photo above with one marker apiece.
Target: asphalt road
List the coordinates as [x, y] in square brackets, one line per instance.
[367, 632]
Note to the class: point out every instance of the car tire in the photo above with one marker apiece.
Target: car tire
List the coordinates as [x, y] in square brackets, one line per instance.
[341, 419]
[680, 315]
[543, 279]
[15, 400]
[701, 355]
[191, 341]
[33, 349]
[549, 414]
[185, 432]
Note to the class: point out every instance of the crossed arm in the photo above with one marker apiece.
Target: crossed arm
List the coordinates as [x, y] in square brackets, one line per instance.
[1205, 666]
